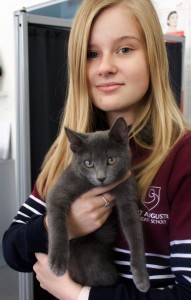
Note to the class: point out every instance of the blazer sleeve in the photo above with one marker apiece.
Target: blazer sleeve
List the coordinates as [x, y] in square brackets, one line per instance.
[26, 235]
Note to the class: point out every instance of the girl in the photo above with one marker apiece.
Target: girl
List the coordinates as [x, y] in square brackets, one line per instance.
[118, 67]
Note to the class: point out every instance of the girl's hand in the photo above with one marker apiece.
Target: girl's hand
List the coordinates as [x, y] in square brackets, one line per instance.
[88, 212]
[62, 287]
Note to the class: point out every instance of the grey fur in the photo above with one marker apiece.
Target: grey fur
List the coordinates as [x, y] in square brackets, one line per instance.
[89, 259]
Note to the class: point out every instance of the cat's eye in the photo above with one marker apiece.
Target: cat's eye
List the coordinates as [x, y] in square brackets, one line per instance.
[111, 160]
[89, 163]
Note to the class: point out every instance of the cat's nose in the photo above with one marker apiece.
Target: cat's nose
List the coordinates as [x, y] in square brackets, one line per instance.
[101, 179]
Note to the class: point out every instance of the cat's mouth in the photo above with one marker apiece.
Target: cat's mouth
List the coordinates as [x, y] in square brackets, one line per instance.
[97, 182]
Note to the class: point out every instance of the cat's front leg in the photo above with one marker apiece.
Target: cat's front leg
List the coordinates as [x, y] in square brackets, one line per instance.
[131, 225]
[58, 248]
[132, 228]
[138, 262]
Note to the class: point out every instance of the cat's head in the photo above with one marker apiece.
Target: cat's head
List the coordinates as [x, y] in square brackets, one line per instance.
[103, 156]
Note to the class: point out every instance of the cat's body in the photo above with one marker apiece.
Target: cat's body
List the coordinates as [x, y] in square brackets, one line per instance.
[99, 159]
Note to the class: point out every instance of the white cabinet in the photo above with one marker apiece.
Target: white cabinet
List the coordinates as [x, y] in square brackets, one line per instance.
[9, 279]
[8, 200]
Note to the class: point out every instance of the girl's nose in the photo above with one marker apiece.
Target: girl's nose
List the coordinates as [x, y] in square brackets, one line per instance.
[107, 65]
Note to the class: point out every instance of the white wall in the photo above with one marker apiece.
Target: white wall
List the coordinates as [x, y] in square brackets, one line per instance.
[7, 59]
[183, 9]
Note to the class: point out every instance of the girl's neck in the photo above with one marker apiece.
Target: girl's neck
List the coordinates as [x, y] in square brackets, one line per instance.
[112, 117]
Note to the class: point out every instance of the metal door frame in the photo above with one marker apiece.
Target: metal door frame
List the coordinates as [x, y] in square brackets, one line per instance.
[23, 169]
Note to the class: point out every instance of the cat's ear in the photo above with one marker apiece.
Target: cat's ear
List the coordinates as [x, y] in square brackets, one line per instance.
[75, 139]
[119, 131]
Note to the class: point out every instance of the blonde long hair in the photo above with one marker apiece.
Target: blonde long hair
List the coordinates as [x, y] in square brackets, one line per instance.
[159, 108]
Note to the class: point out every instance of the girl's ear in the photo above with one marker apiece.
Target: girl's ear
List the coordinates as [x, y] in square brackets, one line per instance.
[76, 140]
[119, 131]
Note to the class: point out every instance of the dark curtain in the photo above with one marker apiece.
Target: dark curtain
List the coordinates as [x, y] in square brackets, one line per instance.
[47, 89]
[174, 51]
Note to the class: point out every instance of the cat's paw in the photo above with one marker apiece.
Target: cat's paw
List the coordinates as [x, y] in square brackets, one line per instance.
[58, 266]
[142, 285]
[141, 280]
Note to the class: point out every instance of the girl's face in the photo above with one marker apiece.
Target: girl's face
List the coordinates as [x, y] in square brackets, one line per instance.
[117, 67]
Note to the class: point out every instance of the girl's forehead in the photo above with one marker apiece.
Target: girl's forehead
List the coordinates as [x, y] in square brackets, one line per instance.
[115, 21]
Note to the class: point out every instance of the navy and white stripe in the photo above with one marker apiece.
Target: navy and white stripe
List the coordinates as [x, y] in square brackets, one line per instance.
[181, 259]
[164, 270]
[32, 206]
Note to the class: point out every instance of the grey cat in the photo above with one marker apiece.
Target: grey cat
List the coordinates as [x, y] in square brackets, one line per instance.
[99, 159]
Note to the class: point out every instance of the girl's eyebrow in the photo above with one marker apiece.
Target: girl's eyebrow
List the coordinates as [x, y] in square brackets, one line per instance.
[120, 39]
[129, 37]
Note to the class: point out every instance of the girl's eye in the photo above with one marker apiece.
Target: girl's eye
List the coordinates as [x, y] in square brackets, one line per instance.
[89, 163]
[92, 54]
[111, 160]
[125, 50]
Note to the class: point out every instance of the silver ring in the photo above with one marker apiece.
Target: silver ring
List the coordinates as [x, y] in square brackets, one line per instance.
[106, 203]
